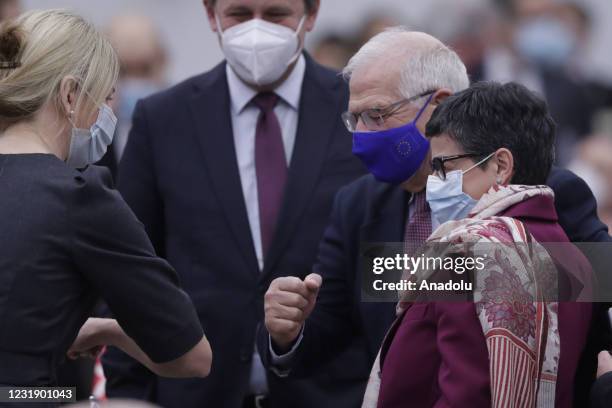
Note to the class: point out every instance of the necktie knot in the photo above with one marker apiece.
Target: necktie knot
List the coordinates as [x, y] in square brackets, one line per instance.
[265, 101]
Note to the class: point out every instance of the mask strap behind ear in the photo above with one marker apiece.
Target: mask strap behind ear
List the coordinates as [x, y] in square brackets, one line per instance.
[219, 29]
[480, 162]
[301, 25]
[423, 107]
[297, 34]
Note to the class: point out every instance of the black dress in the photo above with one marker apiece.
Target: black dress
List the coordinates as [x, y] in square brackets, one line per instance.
[66, 239]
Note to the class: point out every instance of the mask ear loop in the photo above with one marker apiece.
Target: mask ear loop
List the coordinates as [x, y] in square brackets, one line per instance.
[479, 163]
[300, 47]
[423, 107]
[219, 29]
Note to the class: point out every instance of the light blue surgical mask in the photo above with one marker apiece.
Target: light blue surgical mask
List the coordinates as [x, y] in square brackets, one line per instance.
[446, 198]
[545, 41]
[87, 146]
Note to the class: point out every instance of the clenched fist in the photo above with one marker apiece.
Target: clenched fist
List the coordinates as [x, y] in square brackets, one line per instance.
[605, 363]
[287, 304]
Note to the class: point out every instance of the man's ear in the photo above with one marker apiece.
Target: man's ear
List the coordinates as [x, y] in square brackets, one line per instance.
[440, 95]
[505, 165]
[312, 16]
[210, 13]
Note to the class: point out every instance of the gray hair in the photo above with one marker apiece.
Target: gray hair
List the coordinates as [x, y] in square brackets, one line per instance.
[429, 66]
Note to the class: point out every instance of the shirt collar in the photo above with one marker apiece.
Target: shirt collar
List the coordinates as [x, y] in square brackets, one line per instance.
[289, 90]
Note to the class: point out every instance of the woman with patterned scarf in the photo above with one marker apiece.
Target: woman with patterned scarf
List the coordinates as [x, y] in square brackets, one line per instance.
[517, 344]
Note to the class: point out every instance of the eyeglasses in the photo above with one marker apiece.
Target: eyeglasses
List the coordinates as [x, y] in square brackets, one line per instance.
[437, 163]
[374, 118]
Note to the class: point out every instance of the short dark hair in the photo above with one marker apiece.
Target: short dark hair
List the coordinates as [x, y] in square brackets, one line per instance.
[488, 116]
[308, 4]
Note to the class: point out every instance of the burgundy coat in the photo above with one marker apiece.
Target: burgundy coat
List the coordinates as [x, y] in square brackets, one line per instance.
[436, 355]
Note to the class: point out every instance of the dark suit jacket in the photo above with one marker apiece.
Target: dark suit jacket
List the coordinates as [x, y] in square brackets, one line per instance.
[109, 160]
[601, 394]
[370, 211]
[180, 176]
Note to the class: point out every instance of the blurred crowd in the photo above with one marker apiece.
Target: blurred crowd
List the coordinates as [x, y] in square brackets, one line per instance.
[538, 43]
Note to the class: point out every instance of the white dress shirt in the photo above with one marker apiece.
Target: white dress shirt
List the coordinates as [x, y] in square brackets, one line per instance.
[244, 116]
[244, 123]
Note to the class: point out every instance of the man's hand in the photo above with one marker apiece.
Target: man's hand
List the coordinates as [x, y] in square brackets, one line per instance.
[605, 363]
[287, 304]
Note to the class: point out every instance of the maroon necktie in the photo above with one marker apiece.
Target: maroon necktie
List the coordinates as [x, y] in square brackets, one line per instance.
[418, 227]
[270, 166]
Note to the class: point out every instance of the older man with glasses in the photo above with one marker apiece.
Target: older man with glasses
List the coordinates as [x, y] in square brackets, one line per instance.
[396, 81]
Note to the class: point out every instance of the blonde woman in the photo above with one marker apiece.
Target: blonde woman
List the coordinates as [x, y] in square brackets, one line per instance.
[67, 237]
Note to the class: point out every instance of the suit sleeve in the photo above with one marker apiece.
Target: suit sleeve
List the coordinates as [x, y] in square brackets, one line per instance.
[112, 251]
[577, 208]
[601, 393]
[330, 327]
[137, 179]
[126, 378]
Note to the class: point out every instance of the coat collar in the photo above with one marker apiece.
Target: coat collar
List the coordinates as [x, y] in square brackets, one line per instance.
[518, 201]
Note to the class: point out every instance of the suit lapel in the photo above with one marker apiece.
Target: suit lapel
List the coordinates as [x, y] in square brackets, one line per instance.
[388, 217]
[318, 118]
[211, 112]
[386, 223]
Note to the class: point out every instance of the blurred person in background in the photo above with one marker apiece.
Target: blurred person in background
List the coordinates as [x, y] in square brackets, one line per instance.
[233, 173]
[470, 32]
[9, 9]
[333, 51]
[541, 45]
[374, 24]
[68, 238]
[593, 162]
[143, 62]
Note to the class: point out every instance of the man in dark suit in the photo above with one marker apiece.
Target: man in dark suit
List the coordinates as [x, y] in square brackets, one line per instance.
[302, 334]
[233, 173]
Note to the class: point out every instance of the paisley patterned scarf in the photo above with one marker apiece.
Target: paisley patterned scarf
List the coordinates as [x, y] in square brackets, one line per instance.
[520, 326]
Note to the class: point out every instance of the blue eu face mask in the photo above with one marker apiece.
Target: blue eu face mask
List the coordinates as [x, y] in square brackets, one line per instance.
[393, 155]
[446, 198]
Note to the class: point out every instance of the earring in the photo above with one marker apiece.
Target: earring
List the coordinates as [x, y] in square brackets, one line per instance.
[499, 180]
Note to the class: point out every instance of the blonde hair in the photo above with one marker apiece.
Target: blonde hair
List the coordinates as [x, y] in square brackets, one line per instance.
[38, 50]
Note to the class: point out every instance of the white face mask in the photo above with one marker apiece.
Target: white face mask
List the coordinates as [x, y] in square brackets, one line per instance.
[446, 198]
[87, 146]
[260, 52]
